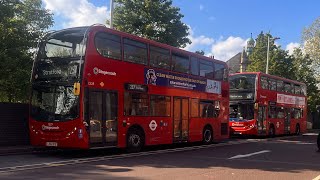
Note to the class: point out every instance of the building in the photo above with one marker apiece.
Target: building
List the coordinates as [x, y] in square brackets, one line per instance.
[240, 61]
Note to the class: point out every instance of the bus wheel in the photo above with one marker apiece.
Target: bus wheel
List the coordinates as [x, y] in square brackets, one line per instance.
[207, 135]
[271, 131]
[135, 140]
[297, 129]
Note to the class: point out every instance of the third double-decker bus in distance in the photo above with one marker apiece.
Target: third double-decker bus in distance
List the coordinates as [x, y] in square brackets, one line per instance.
[262, 104]
[98, 87]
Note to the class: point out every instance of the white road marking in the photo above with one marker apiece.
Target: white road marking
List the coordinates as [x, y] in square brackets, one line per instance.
[248, 155]
[316, 178]
[95, 159]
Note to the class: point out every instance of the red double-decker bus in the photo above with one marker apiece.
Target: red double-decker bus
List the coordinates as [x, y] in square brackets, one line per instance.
[98, 87]
[262, 104]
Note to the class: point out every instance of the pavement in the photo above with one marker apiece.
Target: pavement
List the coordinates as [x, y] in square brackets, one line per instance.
[6, 150]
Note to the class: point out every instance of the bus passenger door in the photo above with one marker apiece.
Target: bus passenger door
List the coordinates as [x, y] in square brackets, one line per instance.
[262, 120]
[102, 117]
[95, 113]
[287, 119]
[111, 111]
[180, 119]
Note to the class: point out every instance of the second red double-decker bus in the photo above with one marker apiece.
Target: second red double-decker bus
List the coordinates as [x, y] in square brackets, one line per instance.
[98, 87]
[262, 104]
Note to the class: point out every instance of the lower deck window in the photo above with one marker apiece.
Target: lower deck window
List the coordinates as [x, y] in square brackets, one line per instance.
[159, 105]
[209, 109]
[136, 104]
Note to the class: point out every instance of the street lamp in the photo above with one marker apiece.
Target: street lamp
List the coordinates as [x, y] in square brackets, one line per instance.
[273, 39]
[111, 14]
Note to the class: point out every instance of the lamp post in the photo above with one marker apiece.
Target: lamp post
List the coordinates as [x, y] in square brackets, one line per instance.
[111, 14]
[273, 39]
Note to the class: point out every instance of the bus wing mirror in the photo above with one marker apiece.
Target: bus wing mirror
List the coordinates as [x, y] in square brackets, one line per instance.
[76, 89]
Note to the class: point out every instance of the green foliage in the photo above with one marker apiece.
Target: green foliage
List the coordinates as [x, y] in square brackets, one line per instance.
[153, 19]
[201, 52]
[304, 72]
[279, 62]
[311, 41]
[21, 25]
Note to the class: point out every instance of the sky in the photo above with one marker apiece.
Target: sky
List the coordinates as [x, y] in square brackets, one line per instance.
[218, 27]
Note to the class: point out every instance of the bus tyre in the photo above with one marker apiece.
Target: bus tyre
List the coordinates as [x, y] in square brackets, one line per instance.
[135, 140]
[271, 131]
[297, 129]
[207, 135]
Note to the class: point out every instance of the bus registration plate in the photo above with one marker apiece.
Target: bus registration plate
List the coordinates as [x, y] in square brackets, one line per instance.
[52, 144]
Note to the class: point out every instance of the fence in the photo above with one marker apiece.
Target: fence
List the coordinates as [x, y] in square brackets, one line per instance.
[13, 124]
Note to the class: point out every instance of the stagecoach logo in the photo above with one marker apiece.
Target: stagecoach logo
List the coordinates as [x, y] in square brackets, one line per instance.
[97, 71]
[153, 125]
[50, 127]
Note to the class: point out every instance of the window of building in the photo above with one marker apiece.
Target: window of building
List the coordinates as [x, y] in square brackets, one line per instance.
[136, 104]
[272, 112]
[280, 86]
[194, 66]
[219, 70]
[264, 82]
[206, 69]
[287, 87]
[108, 45]
[159, 57]
[272, 84]
[280, 112]
[194, 107]
[160, 105]
[135, 51]
[209, 109]
[180, 63]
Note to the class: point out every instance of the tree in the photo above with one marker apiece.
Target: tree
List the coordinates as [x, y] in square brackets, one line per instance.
[279, 62]
[201, 52]
[311, 41]
[153, 19]
[22, 23]
[304, 72]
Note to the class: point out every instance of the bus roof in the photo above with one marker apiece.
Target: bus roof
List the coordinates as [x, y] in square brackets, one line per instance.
[270, 76]
[101, 27]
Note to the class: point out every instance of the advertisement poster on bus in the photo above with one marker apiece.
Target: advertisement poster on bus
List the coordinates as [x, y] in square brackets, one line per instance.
[170, 79]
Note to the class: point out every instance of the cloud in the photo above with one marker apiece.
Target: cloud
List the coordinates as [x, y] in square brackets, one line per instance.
[198, 42]
[226, 49]
[77, 12]
[291, 46]
[201, 7]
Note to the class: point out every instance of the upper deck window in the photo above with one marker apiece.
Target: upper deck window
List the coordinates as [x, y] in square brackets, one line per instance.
[159, 57]
[219, 70]
[108, 45]
[242, 81]
[180, 63]
[264, 82]
[194, 66]
[206, 69]
[272, 84]
[280, 85]
[64, 44]
[287, 87]
[297, 89]
[135, 51]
